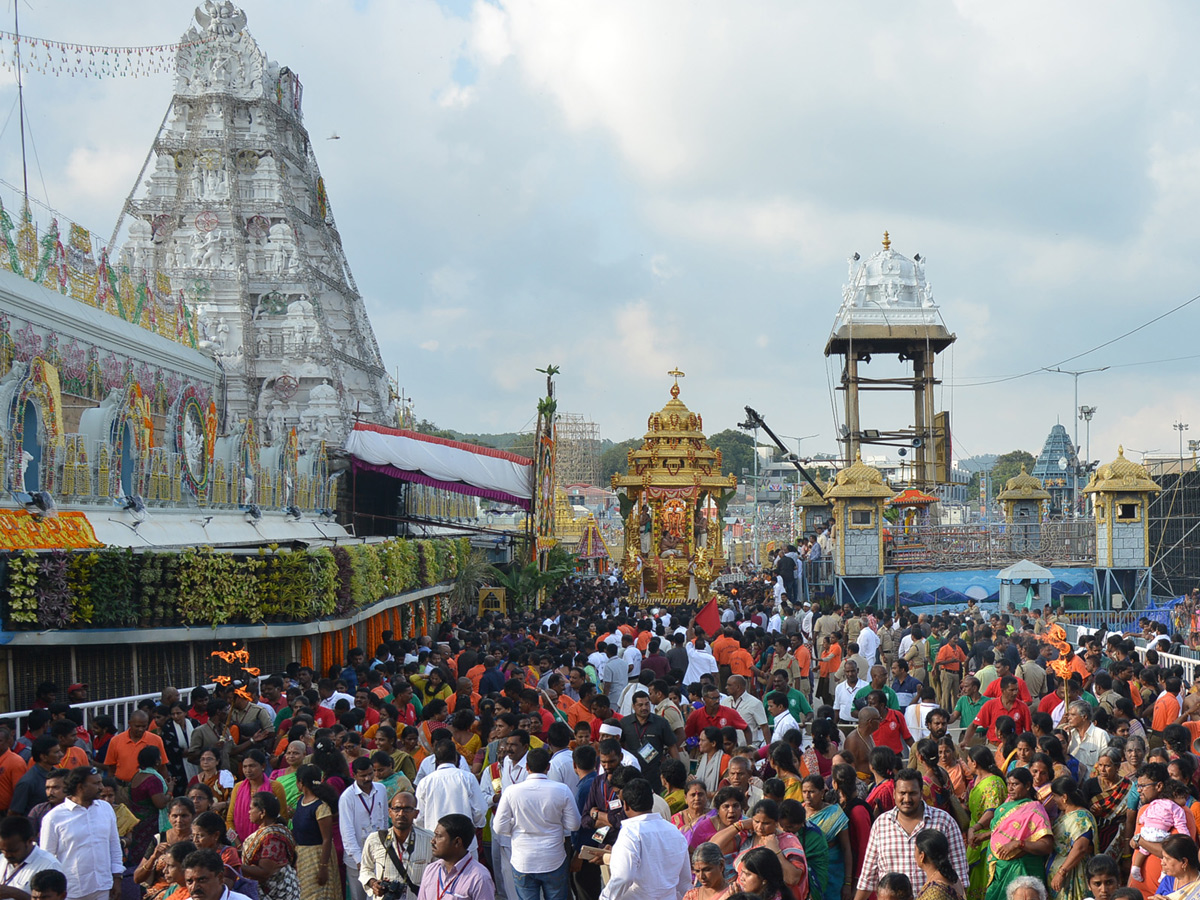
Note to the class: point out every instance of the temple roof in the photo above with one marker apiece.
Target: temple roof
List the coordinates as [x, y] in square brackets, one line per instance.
[859, 480]
[1023, 486]
[1121, 475]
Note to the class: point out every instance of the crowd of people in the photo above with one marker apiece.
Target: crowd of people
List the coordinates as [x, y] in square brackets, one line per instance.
[601, 751]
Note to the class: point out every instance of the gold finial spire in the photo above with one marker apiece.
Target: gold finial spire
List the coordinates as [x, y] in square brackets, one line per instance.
[676, 374]
[887, 241]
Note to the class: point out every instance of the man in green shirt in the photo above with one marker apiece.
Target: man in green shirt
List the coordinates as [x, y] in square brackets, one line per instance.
[878, 683]
[798, 704]
[969, 704]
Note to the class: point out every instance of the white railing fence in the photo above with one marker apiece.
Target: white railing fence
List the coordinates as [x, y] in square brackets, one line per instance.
[120, 708]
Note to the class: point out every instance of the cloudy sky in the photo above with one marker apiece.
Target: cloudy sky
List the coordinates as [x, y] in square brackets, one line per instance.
[626, 186]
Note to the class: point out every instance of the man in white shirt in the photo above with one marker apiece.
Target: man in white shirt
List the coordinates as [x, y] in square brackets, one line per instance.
[615, 673]
[512, 771]
[558, 745]
[330, 697]
[536, 816]
[362, 810]
[868, 644]
[784, 721]
[650, 857]
[632, 656]
[700, 661]
[23, 858]
[448, 790]
[806, 623]
[747, 706]
[843, 696]
[81, 833]
[428, 764]
[1088, 740]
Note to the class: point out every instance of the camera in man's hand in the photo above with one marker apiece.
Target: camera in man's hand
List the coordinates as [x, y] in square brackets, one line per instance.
[393, 890]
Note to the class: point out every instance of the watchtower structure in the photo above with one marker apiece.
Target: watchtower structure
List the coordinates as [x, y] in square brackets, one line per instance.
[858, 495]
[1121, 494]
[887, 307]
[1022, 498]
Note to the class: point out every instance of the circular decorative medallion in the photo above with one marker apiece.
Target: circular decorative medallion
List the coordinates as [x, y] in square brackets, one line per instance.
[286, 386]
[258, 227]
[211, 159]
[206, 221]
[184, 159]
[247, 161]
[191, 441]
[160, 228]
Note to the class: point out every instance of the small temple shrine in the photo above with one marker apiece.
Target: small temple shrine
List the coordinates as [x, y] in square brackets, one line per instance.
[672, 498]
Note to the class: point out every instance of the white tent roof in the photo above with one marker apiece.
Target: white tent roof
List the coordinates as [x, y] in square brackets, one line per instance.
[1026, 571]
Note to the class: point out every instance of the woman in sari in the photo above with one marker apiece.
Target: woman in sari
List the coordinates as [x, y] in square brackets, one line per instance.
[834, 825]
[783, 759]
[1021, 837]
[314, 821]
[237, 816]
[883, 762]
[729, 805]
[817, 758]
[1023, 754]
[936, 788]
[216, 779]
[986, 795]
[149, 794]
[1108, 790]
[1135, 755]
[948, 759]
[293, 758]
[465, 739]
[172, 883]
[269, 853]
[151, 867]
[932, 854]
[711, 760]
[845, 782]
[1181, 869]
[694, 811]
[1074, 841]
[1042, 770]
[708, 866]
[762, 830]
[209, 833]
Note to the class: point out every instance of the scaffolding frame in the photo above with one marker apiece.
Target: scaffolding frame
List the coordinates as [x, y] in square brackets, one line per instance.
[578, 450]
[1173, 518]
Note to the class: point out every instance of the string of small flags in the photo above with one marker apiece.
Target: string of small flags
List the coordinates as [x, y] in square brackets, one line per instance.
[88, 60]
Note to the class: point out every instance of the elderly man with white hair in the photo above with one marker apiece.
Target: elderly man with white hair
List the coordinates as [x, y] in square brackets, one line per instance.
[1025, 888]
[1088, 740]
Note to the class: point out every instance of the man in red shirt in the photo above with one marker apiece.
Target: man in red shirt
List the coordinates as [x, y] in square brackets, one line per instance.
[1002, 669]
[712, 713]
[1006, 704]
[893, 730]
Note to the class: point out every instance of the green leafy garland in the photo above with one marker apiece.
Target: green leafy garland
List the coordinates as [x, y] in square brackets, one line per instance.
[115, 588]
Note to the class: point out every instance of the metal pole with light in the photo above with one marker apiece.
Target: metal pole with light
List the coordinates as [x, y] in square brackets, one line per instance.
[1181, 427]
[1086, 413]
[1075, 445]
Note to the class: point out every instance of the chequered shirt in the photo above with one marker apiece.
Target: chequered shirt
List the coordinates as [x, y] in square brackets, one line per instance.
[890, 849]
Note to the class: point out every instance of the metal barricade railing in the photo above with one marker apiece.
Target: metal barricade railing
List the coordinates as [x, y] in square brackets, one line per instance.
[120, 708]
[989, 545]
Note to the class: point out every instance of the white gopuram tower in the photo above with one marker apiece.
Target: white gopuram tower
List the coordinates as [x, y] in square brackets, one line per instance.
[234, 211]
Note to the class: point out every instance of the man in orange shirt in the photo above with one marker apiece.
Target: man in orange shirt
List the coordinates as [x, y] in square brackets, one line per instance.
[742, 663]
[464, 693]
[12, 767]
[722, 647]
[803, 657]
[949, 665]
[828, 664]
[1166, 707]
[476, 672]
[121, 756]
[72, 757]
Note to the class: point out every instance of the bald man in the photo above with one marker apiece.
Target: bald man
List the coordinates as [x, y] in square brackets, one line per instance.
[860, 743]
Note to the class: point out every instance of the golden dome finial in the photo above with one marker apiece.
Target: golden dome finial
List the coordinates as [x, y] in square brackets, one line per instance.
[857, 455]
[676, 374]
[887, 241]
[1121, 450]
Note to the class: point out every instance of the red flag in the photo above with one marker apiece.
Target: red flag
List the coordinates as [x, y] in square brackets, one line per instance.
[708, 618]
